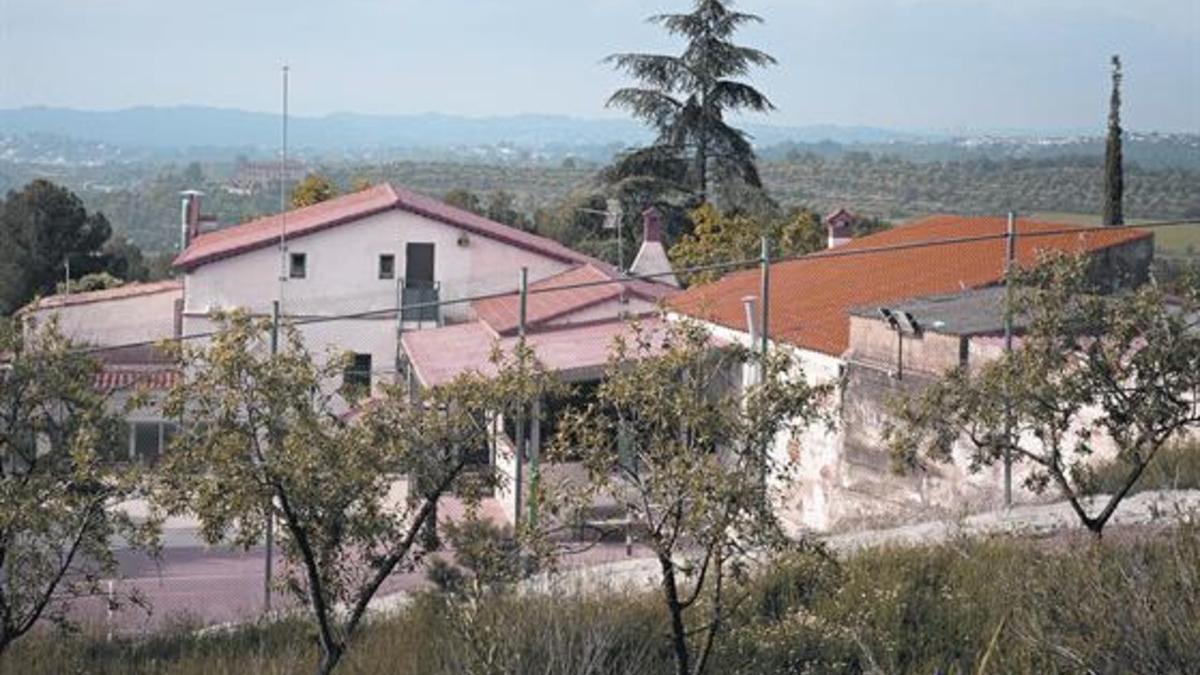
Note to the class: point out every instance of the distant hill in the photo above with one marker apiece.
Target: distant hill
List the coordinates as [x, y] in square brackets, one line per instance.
[198, 126]
[61, 136]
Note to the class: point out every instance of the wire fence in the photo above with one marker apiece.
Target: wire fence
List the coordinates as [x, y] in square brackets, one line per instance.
[823, 304]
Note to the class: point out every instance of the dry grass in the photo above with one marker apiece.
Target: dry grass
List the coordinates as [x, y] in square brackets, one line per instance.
[1129, 604]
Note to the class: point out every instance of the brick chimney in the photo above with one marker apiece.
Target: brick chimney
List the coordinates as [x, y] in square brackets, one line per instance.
[189, 221]
[838, 225]
[652, 258]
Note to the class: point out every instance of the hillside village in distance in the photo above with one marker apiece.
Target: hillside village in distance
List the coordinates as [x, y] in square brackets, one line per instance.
[684, 392]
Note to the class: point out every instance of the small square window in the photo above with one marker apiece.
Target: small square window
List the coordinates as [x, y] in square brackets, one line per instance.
[298, 269]
[387, 266]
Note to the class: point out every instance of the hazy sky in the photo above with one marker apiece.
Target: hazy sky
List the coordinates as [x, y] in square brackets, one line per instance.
[913, 64]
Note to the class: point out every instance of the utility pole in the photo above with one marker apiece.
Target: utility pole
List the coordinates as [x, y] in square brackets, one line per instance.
[269, 535]
[523, 296]
[1010, 251]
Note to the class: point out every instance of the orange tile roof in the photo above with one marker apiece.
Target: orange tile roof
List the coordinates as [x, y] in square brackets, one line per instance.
[264, 232]
[562, 294]
[811, 296]
[132, 290]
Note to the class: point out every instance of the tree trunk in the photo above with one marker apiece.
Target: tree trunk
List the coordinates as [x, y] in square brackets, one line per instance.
[678, 632]
[331, 655]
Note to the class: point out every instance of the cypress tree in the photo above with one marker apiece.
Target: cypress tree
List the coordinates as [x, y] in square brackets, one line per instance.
[1114, 178]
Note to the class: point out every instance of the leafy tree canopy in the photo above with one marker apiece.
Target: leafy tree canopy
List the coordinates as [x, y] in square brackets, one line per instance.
[58, 494]
[314, 189]
[684, 452]
[268, 435]
[42, 226]
[730, 238]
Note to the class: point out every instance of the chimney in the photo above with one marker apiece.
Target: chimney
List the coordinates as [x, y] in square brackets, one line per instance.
[189, 217]
[838, 225]
[652, 258]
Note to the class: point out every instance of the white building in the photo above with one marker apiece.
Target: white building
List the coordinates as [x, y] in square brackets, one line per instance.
[341, 268]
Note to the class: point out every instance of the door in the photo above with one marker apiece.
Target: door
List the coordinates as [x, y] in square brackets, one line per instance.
[420, 294]
[418, 272]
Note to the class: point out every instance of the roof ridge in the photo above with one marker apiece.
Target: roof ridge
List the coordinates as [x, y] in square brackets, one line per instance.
[131, 289]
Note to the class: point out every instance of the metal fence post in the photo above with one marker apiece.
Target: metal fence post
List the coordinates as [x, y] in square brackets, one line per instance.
[1010, 249]
[764, 330]
[269, 535]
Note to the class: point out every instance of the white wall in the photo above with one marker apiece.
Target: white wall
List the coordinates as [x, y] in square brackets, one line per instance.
[343, 278]
[116, 321]
[343, 268]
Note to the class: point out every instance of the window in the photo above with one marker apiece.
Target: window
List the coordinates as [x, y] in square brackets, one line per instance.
[356, 380]
[298, 269]
[143, 442]
[387, 266]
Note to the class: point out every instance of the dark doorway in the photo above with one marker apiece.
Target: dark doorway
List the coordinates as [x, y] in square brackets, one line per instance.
[418, 272]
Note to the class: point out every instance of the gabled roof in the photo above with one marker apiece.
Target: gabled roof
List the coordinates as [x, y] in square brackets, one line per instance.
[264, 232]
[119, 293]
[562, 294]
[812, 296]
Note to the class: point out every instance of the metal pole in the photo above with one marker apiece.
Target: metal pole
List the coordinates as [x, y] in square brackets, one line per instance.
[1010, 249]
[269, 538]
[283, 267]
[764, 336]
[764, 330]
[620, 250]
[523, 297]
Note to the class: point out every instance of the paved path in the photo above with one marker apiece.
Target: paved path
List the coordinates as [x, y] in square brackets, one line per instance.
[1141, 509]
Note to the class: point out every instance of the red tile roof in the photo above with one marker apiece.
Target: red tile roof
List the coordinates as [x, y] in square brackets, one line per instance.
[264, 232]
[563, 294]
[119, 293]
[810, 296]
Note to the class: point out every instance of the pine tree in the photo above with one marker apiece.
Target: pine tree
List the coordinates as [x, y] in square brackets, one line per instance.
[1114, 178]
[685, 97]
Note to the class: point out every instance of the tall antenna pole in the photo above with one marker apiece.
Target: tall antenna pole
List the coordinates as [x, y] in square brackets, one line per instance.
[283, 270]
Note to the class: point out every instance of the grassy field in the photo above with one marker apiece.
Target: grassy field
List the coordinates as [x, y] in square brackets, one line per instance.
[1066, 604]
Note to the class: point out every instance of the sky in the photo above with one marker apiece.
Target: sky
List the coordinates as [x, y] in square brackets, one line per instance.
[922, 65]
